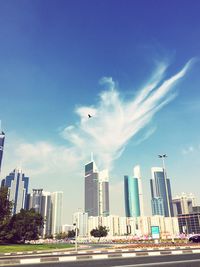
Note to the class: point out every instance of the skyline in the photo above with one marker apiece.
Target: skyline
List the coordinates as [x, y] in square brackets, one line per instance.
[60, 62]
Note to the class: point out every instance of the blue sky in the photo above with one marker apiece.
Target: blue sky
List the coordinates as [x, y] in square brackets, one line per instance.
[59, 59]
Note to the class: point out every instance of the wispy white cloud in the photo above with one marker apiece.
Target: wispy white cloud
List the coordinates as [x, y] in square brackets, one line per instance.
[188, 150]
[115, 120]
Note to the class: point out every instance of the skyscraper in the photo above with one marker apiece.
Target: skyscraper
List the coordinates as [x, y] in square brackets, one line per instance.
[137, 174]
[17, 184]
[41, 202]
[103, 193]
[91, 189]
[160, 192]
[2, 138]
[131, 194]
[96, 190]
[57, 206]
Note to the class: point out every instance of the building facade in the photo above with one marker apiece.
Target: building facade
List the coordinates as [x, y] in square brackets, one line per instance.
[183, 204]
[2, 139]
[57, 206]
[137, 174]
[41, 202]
[80, 221]
[17, 184]
[161, 189]
[131, 195]
[96, 191]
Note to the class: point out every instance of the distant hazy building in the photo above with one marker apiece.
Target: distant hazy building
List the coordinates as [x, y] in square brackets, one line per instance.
[137, 174]
[57, 206]
[2, 138]
[104, 193]
[157, 206]
[41, 202]
[17, 184]
[183, 204]
[91, 189]
[80, 219]
[96, 191]
[160, 189]
[131, 195]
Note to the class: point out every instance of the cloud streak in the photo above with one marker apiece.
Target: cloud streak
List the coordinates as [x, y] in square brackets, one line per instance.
[115, 121]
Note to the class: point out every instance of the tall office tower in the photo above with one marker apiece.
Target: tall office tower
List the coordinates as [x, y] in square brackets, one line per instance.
[137, 174]
[103, 193]
[96, 190]
[161, 191]
[57, 206]
[41, 202]
[131, 194]
[2, 138]
[183, 204]
[81, 221]
[17, 184]
[157, 206]
[91, 189]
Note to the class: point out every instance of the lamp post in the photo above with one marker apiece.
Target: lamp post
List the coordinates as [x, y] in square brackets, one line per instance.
[167, 193]
[76, 235]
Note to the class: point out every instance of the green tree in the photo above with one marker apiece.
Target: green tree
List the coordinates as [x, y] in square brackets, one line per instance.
[25, 225]
[5, 212]
[101, 231]
[71, 234]
[5, 206]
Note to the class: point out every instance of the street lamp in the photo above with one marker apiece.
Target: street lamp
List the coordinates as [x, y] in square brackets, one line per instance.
[167, 193]
[76, 235]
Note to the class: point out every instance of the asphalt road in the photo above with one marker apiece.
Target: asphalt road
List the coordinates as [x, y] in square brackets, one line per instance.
[186, 260]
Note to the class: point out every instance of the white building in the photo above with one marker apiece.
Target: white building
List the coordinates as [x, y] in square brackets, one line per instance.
[57, 206]
[137, 174]
[81, 221]
[183, 203]
[140, 226]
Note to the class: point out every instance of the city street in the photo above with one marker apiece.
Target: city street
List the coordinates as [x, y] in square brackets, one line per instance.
[169, 260]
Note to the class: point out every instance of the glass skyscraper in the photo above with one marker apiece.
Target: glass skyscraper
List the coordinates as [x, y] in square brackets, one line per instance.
[17, 184]
[160, 193]
[2, 138]
[96, 191]
[131, 194]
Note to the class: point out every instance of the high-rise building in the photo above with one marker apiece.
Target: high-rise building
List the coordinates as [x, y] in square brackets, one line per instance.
[41, 202]
[57, 206]
[137, 174]
[17, 184]
[131, 194]
[103, 193]
[161, 192]
[81, 221]
[2, 138]
[96, 191]
[183, 204]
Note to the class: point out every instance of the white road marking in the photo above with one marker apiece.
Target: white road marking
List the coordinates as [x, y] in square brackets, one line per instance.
[67, 258]
[96, 257]
[177, 252]
[127, 255]
[28, 261]
[154, 253]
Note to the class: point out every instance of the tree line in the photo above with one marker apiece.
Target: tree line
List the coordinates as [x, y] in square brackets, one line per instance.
[19, 227]
[27, 224]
